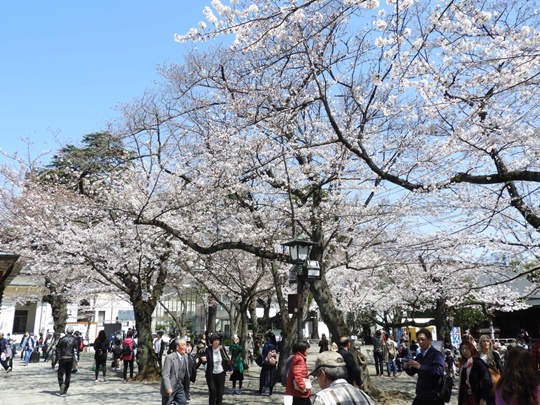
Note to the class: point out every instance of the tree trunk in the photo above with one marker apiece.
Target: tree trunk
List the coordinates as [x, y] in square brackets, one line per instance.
[148, 368]
[212, 315]
[443, 321]
[59, 310]
[332, 317]
[253, 316]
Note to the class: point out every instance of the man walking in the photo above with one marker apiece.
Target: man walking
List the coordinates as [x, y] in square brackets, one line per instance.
[175, 376]
[330, 372]
[353, 374]
[429, 365]
[67, 352]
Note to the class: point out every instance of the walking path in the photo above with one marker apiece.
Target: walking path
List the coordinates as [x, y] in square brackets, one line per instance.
[37, 384]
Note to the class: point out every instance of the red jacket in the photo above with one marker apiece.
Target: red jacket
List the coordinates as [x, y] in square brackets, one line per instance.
[298, 371]
[131, 344]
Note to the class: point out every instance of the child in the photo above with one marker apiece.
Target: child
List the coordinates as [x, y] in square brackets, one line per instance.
[10, 352]
[450, 363]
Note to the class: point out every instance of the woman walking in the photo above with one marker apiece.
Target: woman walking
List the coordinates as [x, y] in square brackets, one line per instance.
[267, 378]
[323, 344]
[236, 350]
[297, 377]
[520, 383]
[217, 364]
[474, 382]
[101, 348]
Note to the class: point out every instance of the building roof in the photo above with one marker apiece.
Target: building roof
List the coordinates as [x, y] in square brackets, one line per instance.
[8, 268]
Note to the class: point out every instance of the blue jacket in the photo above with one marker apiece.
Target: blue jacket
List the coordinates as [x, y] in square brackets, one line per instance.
[430, 373]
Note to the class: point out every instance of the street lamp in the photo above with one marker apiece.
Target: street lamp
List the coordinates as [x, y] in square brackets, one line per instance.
[302, 269]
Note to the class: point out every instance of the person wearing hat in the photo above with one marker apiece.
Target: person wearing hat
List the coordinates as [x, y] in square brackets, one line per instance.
[331, 372]
[67, 353]
[217, 364]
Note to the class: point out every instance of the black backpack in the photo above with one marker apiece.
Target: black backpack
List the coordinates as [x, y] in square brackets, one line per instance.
[126, 349]
[445, 388]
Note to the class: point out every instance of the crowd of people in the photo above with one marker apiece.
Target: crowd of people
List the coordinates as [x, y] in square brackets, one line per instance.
[487, 372]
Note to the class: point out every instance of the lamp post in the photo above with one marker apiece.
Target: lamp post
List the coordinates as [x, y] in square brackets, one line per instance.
[302, 269]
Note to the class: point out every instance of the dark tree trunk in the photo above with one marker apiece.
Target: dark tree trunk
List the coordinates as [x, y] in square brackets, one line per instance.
[444, 317]
[148, 368]
[58, 304]
[212, 315]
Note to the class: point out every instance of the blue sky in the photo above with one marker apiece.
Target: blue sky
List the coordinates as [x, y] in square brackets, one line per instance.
[66, 64]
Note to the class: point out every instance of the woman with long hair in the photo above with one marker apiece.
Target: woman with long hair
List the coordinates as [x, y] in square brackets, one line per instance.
[520, 383]
[297, 375]
[474, 382]
[267, 378]
[101, 348]
[493, 361]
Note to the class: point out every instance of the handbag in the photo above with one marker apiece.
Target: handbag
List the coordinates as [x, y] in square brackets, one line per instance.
[245, 364]
[495, 376]
[307, 383]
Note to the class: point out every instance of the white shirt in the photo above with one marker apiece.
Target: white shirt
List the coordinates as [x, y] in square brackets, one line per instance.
[218, 365]
[157, 345]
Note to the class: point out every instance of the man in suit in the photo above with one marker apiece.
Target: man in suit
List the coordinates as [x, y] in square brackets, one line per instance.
[429, 365]
[353, 373]
[175, 376]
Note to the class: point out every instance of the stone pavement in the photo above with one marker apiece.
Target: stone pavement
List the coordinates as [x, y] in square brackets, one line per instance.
[37, 384]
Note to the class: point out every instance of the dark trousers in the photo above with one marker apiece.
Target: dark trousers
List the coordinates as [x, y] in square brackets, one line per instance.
[5, 363]
[159, 360]
[427, 402]
[64, 367]
[126, 364]
[301, 401]
[216, 386]
[103, 364]
[378, 357]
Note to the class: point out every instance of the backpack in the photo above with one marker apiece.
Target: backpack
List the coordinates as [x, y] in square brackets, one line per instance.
[287, 367]
[445, 388]
[126, 349]
[271, 358]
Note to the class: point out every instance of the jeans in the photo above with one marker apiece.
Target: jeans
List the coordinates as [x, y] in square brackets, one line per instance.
[378, 362]
[391, 367]
[27, 355]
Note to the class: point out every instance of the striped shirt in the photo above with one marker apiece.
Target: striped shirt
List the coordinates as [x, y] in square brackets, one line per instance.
[340, 392]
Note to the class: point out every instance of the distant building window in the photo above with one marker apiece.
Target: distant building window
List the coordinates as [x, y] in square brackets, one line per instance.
[20, 320]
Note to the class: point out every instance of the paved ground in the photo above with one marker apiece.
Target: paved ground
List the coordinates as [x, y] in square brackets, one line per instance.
[37, 384]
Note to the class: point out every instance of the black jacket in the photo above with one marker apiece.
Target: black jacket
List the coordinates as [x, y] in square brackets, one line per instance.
[67, 348]
[209, 354]
[101, 348]
[430, 373]
[479, 380]
[353, 374]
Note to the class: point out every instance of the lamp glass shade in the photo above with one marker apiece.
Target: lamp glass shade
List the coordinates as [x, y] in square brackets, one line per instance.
[302, 253]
